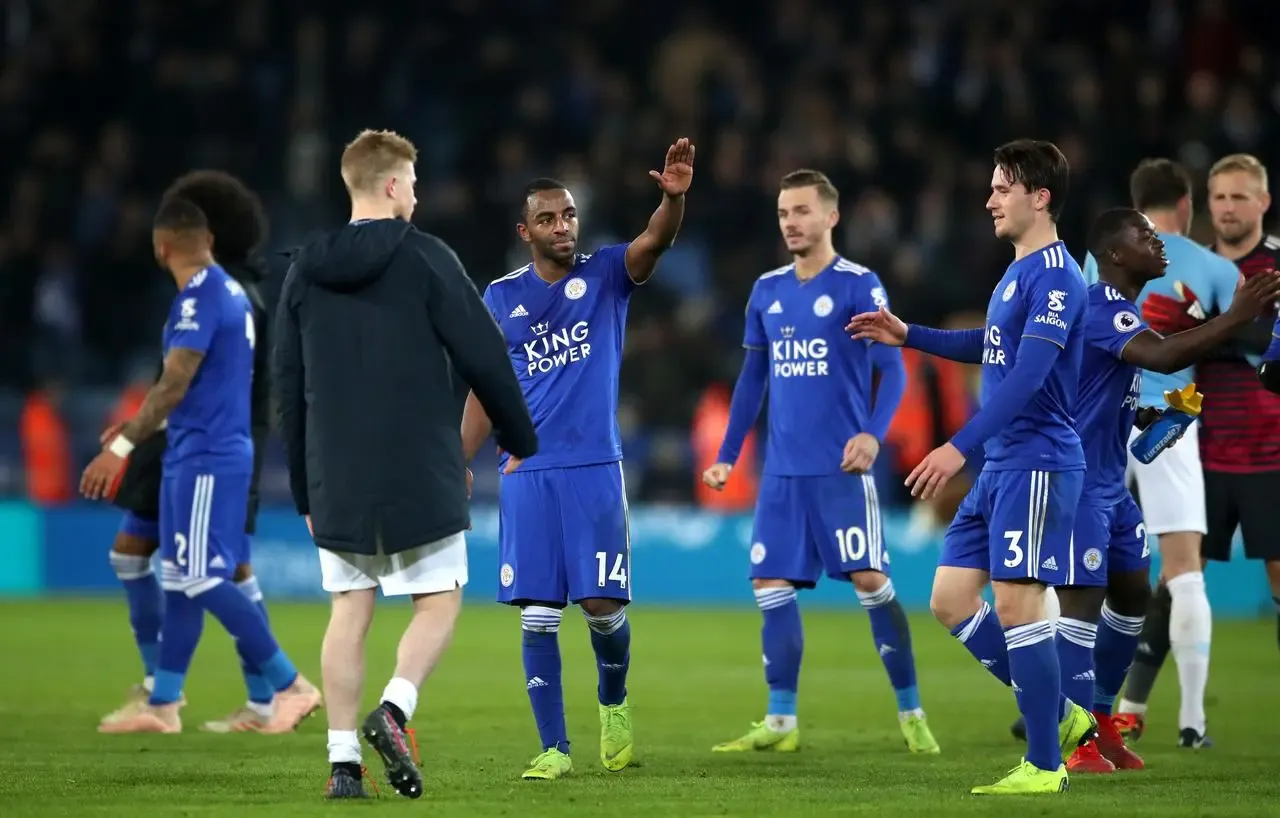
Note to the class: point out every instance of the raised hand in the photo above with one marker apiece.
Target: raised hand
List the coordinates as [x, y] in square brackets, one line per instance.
[1256, 295]
[880, 326]
[677, 171]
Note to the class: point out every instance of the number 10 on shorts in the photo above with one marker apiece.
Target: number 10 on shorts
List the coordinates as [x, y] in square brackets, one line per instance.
[605, 574]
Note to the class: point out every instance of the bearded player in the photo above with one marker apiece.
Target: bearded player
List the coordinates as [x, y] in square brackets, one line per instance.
[562, 527]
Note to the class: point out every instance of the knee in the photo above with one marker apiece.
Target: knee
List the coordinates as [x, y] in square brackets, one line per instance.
[540, 619]
[244, 571]
[129, 545]
[600, 607]
[868, 582]
[952, 606]
[1079, 603]
[1129, 594]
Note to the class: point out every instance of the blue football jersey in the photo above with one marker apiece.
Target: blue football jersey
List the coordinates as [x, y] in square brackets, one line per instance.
[1273, 350]
[210, 427]
[1042, 295]
[1110, 391]
[820, 385]
[1193, 267]
[565, 342]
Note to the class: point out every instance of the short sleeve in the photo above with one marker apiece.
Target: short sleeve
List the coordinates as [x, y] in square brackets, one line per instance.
[194, 319]
[613, 259]
[1054, 298]
[871, 295]
[753, 337]
[1113, 324]
[488, 299]
[1090, 270]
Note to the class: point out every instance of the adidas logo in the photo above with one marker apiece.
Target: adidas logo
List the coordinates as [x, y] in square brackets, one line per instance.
[988, 663]
[536, 681]
[217, 562]
[885, 650]
[519, 312]
[766, 661]
[774, 308]
[1050, 564]
[1087, 676]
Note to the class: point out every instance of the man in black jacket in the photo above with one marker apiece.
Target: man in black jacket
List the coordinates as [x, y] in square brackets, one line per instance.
[239, 227]
[370, 319]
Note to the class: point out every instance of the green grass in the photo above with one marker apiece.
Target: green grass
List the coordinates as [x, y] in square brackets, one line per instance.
[696, 680]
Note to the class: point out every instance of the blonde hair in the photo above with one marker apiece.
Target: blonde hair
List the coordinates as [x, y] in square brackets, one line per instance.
[1241, 163]
[372, 156]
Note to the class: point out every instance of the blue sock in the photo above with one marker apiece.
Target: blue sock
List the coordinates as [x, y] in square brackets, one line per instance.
[982, 635]
[1112, 654]
[183, 625]
[260, 690]
[611, 640]
[782, 638]
[1037, 685]
[253, 638]
[541, 652]
[146, 605]
[892, 635]
[1075, 643]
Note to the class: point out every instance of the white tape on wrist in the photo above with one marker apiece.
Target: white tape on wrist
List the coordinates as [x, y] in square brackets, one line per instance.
[120, 446]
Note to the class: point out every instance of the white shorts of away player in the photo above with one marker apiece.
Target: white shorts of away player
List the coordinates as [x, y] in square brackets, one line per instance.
[428, 569]
[1171, 487]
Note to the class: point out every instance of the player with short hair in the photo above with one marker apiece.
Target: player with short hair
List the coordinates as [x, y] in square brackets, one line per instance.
[1110, 569]
[1014, 527]
[373, 319]
[239, 226]
[204, 395]
[1171, 488]
[562, 525]
[1238, 451]
[817, 511]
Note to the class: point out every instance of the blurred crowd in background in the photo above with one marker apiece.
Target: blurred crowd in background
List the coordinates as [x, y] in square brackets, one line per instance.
[104, 102]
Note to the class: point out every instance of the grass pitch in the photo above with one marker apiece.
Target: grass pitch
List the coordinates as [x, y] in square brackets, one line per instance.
[696, 680]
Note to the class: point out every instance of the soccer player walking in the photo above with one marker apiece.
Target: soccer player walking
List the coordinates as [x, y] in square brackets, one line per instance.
[1014, 527]
[204, 395]
[818, 511]
[562, 527]
[370, 318]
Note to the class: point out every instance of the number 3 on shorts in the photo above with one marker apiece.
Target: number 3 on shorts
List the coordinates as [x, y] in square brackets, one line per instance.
[1015, 549]
[617, 574]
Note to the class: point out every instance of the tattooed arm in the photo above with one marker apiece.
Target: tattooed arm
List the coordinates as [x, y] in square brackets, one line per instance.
[180, 367]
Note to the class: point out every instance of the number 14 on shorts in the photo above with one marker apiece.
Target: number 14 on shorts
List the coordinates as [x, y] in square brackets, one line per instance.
[606, 574]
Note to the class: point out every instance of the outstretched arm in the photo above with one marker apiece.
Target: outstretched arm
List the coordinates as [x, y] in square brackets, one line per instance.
[962, 345]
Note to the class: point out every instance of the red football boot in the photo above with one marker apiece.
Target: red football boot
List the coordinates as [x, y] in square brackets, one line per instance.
[1111, 745]
[1087, 759]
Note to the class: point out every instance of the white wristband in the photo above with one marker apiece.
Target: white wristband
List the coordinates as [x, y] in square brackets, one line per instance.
[120, 446]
